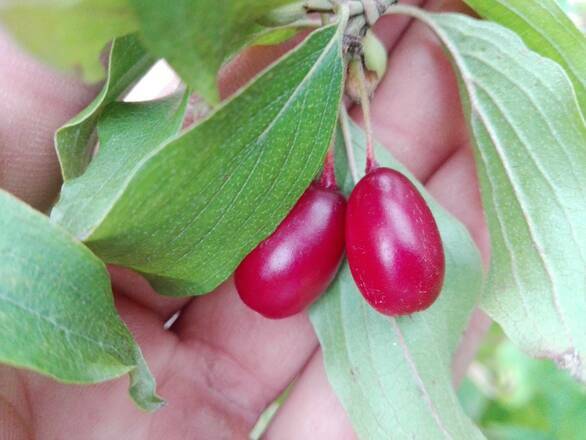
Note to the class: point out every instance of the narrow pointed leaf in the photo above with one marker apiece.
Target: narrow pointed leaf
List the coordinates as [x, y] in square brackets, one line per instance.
[127, 62]
[546, 29]
[529, 135]
[57, 314]
[197, 37]
[393, 375]
[68, 34]
[193, 207]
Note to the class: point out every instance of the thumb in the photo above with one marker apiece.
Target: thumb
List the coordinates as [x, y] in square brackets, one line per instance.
[35, 101]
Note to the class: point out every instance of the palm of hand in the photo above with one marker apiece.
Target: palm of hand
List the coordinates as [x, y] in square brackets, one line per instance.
[220, 364]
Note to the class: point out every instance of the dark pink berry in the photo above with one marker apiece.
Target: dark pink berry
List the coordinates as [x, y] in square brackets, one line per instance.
[393, 244]
[292, 267]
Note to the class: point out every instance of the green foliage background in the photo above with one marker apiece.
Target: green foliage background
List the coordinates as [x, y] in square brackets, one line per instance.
[512, 396]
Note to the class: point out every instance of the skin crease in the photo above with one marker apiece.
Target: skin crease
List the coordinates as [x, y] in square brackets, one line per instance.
[216, 365]
[393, 245]
[291, 268]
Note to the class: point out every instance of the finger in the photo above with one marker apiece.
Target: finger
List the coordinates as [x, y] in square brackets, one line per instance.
[312, 410]
[271, 351]
[35, 101]
[455, 186]
[14, 411]
[250, 62]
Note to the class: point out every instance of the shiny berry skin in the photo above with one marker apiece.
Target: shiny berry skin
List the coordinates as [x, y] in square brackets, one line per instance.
[393, 244]
[292, 267]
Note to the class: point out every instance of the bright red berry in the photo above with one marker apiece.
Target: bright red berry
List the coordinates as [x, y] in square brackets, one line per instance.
[292, 267]
[393, 244]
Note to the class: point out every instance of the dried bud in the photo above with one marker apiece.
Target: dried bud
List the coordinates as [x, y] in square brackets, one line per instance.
[374, 67]
[371, 81]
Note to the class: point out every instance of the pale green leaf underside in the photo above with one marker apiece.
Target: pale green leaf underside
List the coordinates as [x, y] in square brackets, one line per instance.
[197, 37]
[529, 136]
[69, 34]
[547, 30]
[192, 208]
[393, 376]
[57, 314]
[128, 61]
[128, 132]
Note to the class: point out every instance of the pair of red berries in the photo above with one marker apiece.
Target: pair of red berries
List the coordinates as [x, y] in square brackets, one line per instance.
[392, 243]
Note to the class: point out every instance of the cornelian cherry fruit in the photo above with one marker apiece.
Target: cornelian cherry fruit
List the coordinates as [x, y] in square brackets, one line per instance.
[292, 267]
[393, 244]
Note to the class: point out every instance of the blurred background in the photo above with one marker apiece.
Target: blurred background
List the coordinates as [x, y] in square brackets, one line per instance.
[513, 397]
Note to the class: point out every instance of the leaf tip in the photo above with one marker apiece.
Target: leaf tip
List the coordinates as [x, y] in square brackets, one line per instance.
[143, 386]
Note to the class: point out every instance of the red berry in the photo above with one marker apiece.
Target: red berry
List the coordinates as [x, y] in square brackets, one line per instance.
[292, 267]
[393, 245]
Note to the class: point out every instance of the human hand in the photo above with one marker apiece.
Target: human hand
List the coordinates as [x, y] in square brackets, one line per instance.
[220, 364]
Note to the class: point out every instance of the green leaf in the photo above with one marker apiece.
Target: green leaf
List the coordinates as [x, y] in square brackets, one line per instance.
[69, 33]
[529, 136]
[393, 375]
[193, 207]
[197, 37]
[128, 62]
[546, 29]
[57, 314]
[128, 132]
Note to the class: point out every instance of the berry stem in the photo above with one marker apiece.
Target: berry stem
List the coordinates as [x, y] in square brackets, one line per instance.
[345, 125]
[328, 176]
[365, 104]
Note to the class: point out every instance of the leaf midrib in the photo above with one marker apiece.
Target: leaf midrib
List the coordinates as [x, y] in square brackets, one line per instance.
[418, 379]
[65, 330]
